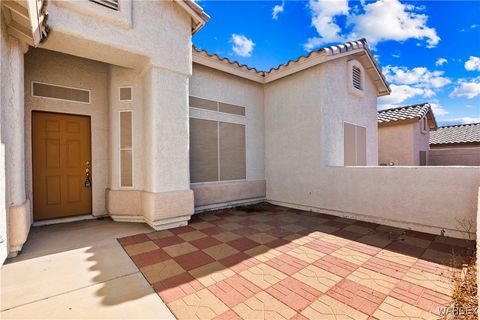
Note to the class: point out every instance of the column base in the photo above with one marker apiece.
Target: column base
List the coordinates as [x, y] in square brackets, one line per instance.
[19, 222]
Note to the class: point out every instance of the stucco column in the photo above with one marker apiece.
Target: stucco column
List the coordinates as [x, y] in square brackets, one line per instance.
[13, 136]
[167, 198]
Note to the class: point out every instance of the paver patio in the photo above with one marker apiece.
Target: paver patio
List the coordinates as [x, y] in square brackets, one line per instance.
[282, 263]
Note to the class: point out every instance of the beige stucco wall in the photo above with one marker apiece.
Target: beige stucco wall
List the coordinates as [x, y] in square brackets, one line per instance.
[61, 69]
[215, 85]
[401, 144]
[426, 199]
[141, 33]
[455, 156]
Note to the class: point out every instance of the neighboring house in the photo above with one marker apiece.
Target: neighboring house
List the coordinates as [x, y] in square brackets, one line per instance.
[456, 145]
[403, 135]
[110, 116]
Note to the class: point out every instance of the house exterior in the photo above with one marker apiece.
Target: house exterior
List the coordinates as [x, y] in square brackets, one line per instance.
[107, 110]
[143, 128]
[403, 135]
[455, 145]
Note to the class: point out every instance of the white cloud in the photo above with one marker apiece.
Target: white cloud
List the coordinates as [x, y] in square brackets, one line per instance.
[277, 9]
[437, 109]
[242, 46]
[419, 76]
[392, 20]
[473, 64]
[441, 61]
[323, 19]
[380, 21]
[466, 88]
[399, 94]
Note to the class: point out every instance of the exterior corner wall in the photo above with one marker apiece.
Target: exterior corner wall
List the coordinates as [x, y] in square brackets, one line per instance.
[338, 106]
[396, 144]
[421, 142]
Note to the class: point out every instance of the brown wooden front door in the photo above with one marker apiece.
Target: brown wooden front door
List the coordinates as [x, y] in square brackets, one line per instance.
[61, 156]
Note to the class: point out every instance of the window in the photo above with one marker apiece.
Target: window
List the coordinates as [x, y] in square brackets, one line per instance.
[355, 145]
[126, 149]
[356, 78]
[125, 94]
[57, 92]
[217, 141]
[424, 125]
[111, 4]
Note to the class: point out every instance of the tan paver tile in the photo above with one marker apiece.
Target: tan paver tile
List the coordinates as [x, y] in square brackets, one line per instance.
[159, 234]
[263, 306]
[211, 273]
[261, 227]
[230, 226]
[301, 240]
[226, 236]
[202, 225]
[327, 308]
[199, 305]
[397, 257]
[336, 240]
[262, 275]
[306, 254]
[413, 241]
[350, 255]
[390, 230]
[377, 240]
[429, 280]
[452, 241]
[262, 238]
[317, 278]
[138, 248]
[263, 253]
[193, 235]
[444, 258]
[292, 227]
[179, 249]
[374, 280]
[220, 251]
[161, 271]
[393, 309]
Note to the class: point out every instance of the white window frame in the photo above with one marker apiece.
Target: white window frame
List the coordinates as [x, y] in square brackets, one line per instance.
[120, 149]
[61, 86]
[351, 87]
[218, 116]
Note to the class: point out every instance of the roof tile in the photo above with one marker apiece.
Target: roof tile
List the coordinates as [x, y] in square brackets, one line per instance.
[463, 133]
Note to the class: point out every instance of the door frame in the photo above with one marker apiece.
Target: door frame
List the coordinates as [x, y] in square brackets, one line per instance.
[62, 219]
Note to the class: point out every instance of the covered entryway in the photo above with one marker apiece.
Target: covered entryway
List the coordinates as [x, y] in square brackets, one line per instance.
[61, 154]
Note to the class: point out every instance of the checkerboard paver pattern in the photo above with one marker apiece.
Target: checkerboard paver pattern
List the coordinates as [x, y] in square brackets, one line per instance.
[280, 263]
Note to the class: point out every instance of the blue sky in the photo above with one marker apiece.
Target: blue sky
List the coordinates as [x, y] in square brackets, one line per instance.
[429, 50]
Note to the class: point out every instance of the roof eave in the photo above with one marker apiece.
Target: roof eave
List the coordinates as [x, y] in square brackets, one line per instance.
[199, 16]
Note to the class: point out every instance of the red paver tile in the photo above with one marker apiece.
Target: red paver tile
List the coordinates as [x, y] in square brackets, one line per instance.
[336, 224]
[148, 258]
[228, 315]
[366, 224]
[447, 248]
[138, 238]
[245, 232]
[180, 230]
[193, 260]
[168, 241]
[364, 248]
[234, 290]
[277, 243]
[279, 232]
[212, 230]
[420, 235]
[405, 249]
[204, 243]
[239, 262]
[420, 297]
[357, 296]
[243, 244]
[295, 294]
[177, 287]
[298, 316]
[322, 246]
[336, 265]
[388, 268]
[286, 264]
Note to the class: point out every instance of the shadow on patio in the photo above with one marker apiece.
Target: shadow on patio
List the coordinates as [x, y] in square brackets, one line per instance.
[253, 261]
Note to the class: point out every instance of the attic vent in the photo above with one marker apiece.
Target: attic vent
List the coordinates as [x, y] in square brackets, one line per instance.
[357, 78]
[111, 4]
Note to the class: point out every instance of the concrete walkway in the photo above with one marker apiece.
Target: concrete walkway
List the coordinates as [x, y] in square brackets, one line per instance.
[78, 270]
